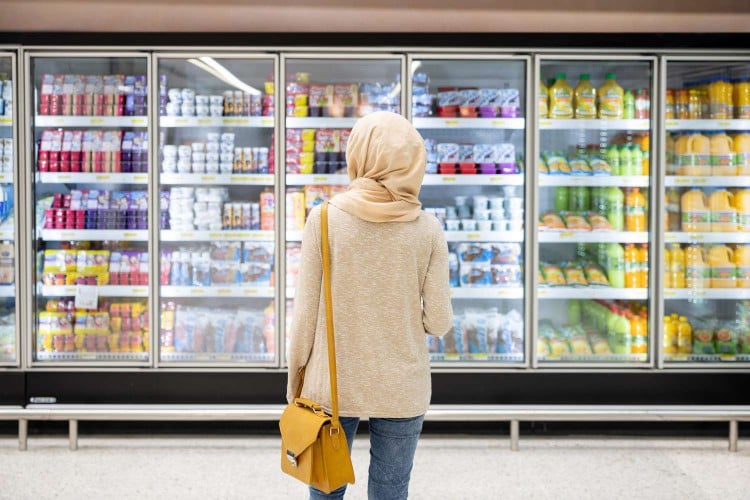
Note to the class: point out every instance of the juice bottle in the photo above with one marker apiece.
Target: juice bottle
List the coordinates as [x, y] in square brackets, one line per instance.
[723, 269]
[616, 265]
[684, 336]
[623, 335]
[669, 146]
[626, 166]
[636, 160]
[722, 155]
[669, 105]
[696, 159]
[696, 271]
[742, 152]
[677, 266]
[716, 100]
[645, 161]
[668, 268]
[742, 98]
[631, 266]
[670, 336]
[574, 312]
[585, 98]
[723, 213]
[643, 265]
[610, 98]
[598, 204]
[561, 198]
[742, 261]
[643, 104]
[628, 105]
[673, 209]
[543, 100]
[613, 158]
[742, 204]
[616, 208]
[696, 216]
[579, 199]
[728, 97]
[639, 333]
[635, 210]
[560, 98]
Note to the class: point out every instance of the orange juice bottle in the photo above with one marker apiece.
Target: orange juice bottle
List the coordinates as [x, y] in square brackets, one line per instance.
[668, 268]
[723, 269]
[697, 157]
[669, 145]
[742, 261]
[696, 271]
[742, 204]
[722, 155]
[684, 336]
[611, 98]
[742, 98]
[717, 109]
[727, 98]
[631, 266]
[723, 213]
[643, 266]
[543, 100]
[635, 210]
[585, 98]
[673, 209]
[645, 148]
[677, 268]
[670, 336]
[742, 152]
[560, 98]
[696, 215]
[638, 333]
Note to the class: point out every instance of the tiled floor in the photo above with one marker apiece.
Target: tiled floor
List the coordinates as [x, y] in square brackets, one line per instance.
[446, 467]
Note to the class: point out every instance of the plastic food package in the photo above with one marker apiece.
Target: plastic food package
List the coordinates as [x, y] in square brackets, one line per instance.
[553, 275]
[595, 275]
[551, 221]
[598, 222]
[574, 275]
[575, 222]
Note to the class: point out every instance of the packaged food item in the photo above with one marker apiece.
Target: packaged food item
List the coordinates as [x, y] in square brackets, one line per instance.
[579, 166]
[476, 274]
[557, 164]
[474, 327]
[553, 275]
[575, 222]
[726, 339]
[550, 221]
[574, 275]
[595, 275]
[543, 348]
[598, 222]
[703, 339]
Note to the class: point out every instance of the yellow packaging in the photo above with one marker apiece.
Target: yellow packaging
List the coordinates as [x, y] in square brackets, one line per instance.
[295, 210]
[585, 98]
[560, 98]
[611, 99]
[269, 87]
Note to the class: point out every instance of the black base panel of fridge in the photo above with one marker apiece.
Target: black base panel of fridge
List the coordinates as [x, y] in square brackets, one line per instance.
[636, 41]
[12, 388]
[448, 388]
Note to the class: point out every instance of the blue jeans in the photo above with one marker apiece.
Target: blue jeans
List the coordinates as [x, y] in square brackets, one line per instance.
[393, 442]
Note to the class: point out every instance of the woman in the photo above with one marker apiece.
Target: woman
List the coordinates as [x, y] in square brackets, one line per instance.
[389, 280]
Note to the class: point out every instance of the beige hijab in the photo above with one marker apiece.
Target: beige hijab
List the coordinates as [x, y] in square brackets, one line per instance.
[385, 159]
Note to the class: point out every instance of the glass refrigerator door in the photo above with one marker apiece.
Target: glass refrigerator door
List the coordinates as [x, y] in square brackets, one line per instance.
[89, 138]
[217, 210]
[707, 219]
[323, 99]
[8, 335]
[471, 113]
[594, 196]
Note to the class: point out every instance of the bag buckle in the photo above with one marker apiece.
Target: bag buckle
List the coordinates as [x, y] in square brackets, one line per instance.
[292, 458]
[330, 430]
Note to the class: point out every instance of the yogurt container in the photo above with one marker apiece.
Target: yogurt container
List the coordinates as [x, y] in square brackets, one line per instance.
[212, 167]
[201, 100]
[227, 138]
[187, 109]
[452, 225]
[202, 111]
[199, 156]
[481, 202]
[215, 100]
[198, 167]
[468, 225]
[198, 147]
[213, 137]
[216, 110]
[183, 166]
[188, 95]
[172, 109]
[226, 158]
[169, 165]
[169, 151]
[485, 225]
[184, 152]
[175, 96]
[225, 168]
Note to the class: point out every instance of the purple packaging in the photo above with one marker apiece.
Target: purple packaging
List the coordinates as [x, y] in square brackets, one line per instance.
[138, 200]
[128, 90]
[484, 154]
[509, 103]
[126, 159]
[505, 157]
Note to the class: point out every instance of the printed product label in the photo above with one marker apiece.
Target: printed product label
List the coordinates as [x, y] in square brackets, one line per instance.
[586, 106]
[743, 112]
[563, 104]
[727, 217]
[743, 272]
[543, 111]
[742, 159]
[696, 216]
[635, 210]
[724, 160]
[697, 272]
[724, 272]
[693, 160]
[611, 106]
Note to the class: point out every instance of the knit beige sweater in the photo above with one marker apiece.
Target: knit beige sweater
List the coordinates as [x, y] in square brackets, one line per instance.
[389, 282]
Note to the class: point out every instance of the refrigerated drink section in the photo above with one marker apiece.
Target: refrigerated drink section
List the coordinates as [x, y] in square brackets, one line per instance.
[8, 335]
[593, 168]
[707, 220]
[472, 116]
[217, 210]
[88, 138]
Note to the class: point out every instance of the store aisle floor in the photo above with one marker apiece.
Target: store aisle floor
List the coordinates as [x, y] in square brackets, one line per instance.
[447, 467]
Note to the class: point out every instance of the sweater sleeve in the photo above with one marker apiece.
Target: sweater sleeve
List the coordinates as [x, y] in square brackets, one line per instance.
[306, 302]
[437, 312]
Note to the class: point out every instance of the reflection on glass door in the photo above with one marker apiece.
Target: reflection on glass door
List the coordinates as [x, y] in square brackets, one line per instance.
[471, 113]
[323, 99]
[707, 219]
[89, 139]
[217, 210]
[594, 177]
[8, 336]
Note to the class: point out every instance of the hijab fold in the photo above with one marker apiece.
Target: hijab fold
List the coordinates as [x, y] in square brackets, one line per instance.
[385, 159]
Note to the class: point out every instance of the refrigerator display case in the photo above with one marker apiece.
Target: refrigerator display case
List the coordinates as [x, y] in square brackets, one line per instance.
[706, 253]
[323, 97]
[217, 210]
[471, 112]
[593, 298]
[9, 340]
[87, 147]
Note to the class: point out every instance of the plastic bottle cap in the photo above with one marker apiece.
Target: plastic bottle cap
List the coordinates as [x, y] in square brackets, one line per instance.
[609, 76]
[584, 76]
[560, 76]
[683, 318]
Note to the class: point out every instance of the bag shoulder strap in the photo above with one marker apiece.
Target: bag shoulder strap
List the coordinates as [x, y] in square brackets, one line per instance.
[329, 313]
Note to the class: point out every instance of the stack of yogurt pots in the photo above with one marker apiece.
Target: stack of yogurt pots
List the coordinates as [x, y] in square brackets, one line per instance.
[211, 157]
[184, 102]
[483, 213]
[196, 208]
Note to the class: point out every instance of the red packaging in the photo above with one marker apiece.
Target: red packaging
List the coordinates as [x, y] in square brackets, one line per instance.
[75, 151]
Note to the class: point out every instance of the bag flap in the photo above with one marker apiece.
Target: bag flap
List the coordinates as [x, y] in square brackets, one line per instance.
[300, 427]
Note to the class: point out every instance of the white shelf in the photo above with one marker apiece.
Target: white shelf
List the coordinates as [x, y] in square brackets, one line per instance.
[713, 181]
[677, 237]
[597, 358]
[492, 357]
[217, 121]
[573, 124]
[294, 236]
[605, 293]
[473, 180]
[218, 179]
[7, 290]
[708, 124]
[486, 292]
[6, 121]
[490, 236]
[94, 235]
[240, 235]
[216, 291]
[706, 358]
[707, 293]
[234, 357]
[103, 291]
[321, 179]
[7, 233]
[308, 122]
[592, 237]
[6, 177]
[90, 121]
[91, 356]
[594, 180]
[469, 123]
[91, 178]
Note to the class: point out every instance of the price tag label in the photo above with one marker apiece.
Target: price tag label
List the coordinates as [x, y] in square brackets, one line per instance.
[232, 121]
[67, 235]
[103, 177]
[566, 234]
[59, 121]
[542, 292]
[87, 297]
[140, 178]
[138, 121]
[320, 178]
[479, 356]
[724, 124]
[697, 236]
[204, 121]
[266, 122]
[670, 294]
[181, 121]
[499, 123]
[208, 178]
[188, 236]
[6, 121]
[449, 179]
[140, 291]
[545, 123]
[97, 121]
[197, 291]
[671, 123]
[683, 180]
[473, 236]
[64, 177]
[252, 291]
[129, 236]
[223, 291]
[451, 123]
[224, 357]
[494, 179]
